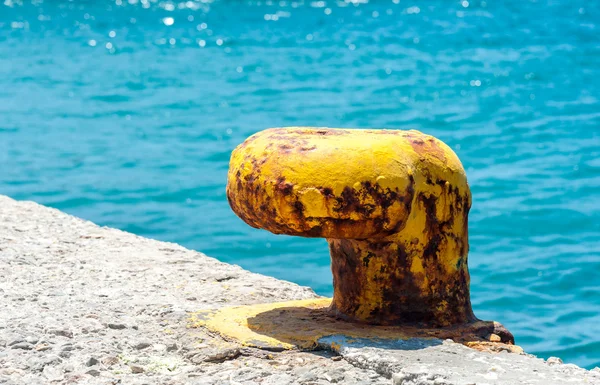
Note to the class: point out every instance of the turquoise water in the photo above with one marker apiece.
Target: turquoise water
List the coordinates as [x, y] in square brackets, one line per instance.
[125, 113]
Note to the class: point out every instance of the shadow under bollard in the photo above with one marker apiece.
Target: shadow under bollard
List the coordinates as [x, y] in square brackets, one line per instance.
[313, 327]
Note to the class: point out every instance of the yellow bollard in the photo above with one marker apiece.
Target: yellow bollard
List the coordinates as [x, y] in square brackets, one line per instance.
[392, 204]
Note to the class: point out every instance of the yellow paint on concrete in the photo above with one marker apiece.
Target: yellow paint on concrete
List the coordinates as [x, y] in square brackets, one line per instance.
[300, 324]
[241, 324]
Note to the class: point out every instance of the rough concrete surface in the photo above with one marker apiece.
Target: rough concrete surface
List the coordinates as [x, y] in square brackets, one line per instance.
[83, 304]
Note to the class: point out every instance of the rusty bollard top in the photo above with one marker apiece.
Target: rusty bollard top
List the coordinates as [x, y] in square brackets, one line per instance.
[392, 204]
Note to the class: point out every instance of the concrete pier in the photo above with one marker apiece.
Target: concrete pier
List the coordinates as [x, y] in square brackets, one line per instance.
[83, 304]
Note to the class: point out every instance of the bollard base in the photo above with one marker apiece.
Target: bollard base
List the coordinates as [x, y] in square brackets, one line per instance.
[309, 325]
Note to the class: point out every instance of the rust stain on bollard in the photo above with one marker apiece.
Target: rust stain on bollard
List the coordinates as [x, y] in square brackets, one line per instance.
[393, 206]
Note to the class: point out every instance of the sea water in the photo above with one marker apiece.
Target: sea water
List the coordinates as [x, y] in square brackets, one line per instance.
[125, 113]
